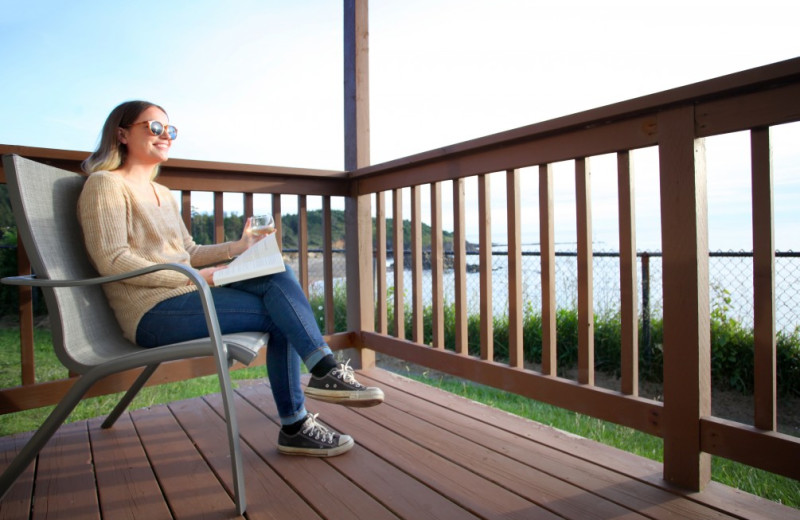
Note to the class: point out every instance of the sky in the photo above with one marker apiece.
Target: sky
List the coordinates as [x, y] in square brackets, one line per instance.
[260, 81]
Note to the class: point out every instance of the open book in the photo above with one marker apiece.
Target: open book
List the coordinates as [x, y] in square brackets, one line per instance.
[262, 258]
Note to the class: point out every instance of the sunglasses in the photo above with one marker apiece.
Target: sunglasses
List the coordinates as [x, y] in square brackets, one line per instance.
[157, 128]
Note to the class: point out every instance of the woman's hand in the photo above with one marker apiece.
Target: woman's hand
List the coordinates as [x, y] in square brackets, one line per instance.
[208, 274]
[248, 239]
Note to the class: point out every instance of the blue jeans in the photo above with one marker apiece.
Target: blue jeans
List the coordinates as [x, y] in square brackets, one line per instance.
[274, 304]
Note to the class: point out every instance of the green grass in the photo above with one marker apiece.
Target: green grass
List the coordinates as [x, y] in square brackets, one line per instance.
[758, 482]
[48, 368]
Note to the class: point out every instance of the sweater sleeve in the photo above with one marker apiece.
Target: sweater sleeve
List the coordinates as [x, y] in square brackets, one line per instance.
[105, 211]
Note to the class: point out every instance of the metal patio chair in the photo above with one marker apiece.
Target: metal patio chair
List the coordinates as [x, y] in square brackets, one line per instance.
[86, 337]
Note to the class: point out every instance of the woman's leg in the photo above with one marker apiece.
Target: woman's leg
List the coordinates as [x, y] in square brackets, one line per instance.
[287, 305]
[182, 319]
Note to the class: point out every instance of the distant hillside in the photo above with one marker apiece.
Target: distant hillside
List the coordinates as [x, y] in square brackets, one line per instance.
[290, 223]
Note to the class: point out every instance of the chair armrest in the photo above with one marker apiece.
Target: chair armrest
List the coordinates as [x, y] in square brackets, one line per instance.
[203, 290]
[34, 281]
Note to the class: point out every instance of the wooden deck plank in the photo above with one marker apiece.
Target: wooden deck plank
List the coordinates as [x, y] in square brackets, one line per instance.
[558, 496]
[718, 497]
[320, 485]
[126, 483]
[471, 491]
[17, 503]
[268, 495]
[174, 456]
[596, 480]
[65, 481]
[405, 496]
[423, 454]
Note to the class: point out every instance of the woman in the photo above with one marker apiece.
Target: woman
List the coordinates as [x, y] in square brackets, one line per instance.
[129, 221]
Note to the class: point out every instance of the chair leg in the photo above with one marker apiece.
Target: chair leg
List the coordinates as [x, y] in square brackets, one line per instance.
[129, 395]
[44, 433]
[226, 389]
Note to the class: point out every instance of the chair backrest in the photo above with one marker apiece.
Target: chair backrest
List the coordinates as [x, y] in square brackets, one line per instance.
[45, 204]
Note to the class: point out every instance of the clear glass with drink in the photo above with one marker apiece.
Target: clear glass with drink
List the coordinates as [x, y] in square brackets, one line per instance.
[262, 225]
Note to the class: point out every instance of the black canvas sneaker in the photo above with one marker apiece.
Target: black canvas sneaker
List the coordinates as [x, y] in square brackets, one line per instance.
[340, 386]
[315, 439]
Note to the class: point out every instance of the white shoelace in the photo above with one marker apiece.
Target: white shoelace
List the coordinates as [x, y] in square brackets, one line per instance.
[348, 375]
[316, 430]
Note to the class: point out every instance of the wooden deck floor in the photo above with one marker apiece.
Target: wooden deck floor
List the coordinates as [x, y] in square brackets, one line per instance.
[424, 454]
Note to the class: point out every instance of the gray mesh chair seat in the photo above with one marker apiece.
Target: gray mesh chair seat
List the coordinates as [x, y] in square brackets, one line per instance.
[86, 337]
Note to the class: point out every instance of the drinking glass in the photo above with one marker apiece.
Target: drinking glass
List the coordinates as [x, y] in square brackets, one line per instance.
[262, 225]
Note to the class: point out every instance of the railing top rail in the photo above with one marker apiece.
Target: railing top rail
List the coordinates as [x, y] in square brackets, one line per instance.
[185, 174]
[174, 164]
[768, 76]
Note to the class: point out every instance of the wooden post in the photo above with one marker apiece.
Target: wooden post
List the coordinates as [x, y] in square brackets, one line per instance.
[358, 218]
[687, 349]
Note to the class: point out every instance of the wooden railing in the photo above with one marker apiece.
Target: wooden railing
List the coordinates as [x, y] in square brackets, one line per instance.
[184, 176]
[676, 122]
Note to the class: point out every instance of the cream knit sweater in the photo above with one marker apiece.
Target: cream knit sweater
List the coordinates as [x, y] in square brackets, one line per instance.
[122, 232]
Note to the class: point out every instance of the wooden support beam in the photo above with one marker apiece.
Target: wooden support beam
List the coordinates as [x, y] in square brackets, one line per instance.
[687, 349]
[358, 215]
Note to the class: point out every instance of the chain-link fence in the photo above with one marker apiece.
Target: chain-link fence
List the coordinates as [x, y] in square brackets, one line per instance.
[730, 280]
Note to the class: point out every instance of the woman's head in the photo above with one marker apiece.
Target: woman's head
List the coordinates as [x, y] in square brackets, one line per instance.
[112, 151]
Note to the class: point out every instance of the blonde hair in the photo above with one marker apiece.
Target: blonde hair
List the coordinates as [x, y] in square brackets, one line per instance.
[111, 153]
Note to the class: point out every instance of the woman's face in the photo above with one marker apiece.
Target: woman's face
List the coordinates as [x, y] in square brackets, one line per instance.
[143, 146]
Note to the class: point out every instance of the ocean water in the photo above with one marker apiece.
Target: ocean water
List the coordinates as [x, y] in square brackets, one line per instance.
[730, 285]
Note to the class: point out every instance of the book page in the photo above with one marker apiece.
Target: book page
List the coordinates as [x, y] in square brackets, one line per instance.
[261, 259]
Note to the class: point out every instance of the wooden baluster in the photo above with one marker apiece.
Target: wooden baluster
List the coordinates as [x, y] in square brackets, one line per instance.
[460, 268]
[548, 268]
[327, 265]
[276, 215]
[186, 209]
[583, 205]
[516, 356]
[629, 304]
[765, 384]
[417, 324]
[380, 260]
[248, 206]
[219, 218]
[399, 257]
[485, 244]
[437, 267]
[302, 242]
